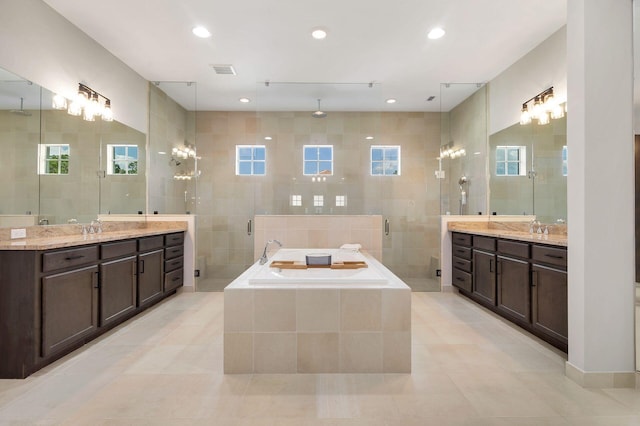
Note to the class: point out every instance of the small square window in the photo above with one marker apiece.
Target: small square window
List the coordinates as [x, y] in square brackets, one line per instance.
[385, 160]
[296, 200]
[511, 160]
[251, 160]
[565, 164]
[122, 159]
[53, 159]
[341, 200]
[317, 160]
[318, 200]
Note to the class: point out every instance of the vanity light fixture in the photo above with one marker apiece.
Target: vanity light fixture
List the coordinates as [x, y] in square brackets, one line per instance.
[543, 108]
[184, 152]
[88, 103]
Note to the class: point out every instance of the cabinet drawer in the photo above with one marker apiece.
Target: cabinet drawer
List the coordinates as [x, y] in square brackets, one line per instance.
[461, 239]
[67, 258]
[173, 264]
[173, 280]
[150, 243]
[549, 255]
[119, 249]
[461, 252]
[485, 243]
[172, 252]
[462, 280]
[513, 248]
[465, 265]
[174, 239]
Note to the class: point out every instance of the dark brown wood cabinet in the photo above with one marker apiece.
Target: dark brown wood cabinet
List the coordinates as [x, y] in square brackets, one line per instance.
[54, 301]
[69, 308]
[521, 281]
[150, 276]
[174, 263]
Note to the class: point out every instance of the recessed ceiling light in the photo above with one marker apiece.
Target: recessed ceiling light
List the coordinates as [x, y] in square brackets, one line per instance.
[319, 33]
[390, 101]
[245, 100]
[435, 33]
[201, 32]
[369, 138]
[267, 138]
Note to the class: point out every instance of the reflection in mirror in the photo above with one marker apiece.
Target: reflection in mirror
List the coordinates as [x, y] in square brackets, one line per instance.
[172, 148]
[463, 150]
[528, 170]
[19, 138]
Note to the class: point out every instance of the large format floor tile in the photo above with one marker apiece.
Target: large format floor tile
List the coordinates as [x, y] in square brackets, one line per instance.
[165, 367]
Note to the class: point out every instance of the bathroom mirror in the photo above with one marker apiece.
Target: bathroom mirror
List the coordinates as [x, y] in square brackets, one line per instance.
[62, 167]
[540, 185]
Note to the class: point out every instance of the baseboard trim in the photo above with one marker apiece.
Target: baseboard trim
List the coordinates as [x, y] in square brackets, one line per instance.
[600, 379]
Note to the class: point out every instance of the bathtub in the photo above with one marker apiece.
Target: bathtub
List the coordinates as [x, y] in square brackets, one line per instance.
[317, 320]
[266, 275]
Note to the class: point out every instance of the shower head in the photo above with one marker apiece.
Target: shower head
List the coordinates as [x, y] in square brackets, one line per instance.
[21, 111]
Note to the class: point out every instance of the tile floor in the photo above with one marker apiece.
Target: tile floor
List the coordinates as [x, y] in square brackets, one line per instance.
[165, 368]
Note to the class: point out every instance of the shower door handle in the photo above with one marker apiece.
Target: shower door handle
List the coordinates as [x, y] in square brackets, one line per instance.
[386, 227]
[249, 227]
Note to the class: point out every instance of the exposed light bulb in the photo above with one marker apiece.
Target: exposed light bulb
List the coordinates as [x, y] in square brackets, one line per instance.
[107, 112]
[59, 101]
[543, 118]
[536, 111]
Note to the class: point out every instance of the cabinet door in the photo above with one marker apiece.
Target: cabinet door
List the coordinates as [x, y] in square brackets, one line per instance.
[549, 302]
[484, 277]
[514, 291]
[150, 274]
[117, 289]
[69, 308]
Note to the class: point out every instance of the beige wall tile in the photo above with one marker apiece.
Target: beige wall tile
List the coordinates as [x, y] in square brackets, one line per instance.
[238, 353]
[361, 310]
[318, 310]
[318, 353]
[238, 310]
[275, 353]
[396, 352]
[361, 352]
[274, 310]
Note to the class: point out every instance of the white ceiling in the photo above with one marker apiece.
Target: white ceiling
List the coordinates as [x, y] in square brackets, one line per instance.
[269, 40]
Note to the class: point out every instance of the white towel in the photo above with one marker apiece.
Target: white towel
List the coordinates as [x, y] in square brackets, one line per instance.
[352, 247]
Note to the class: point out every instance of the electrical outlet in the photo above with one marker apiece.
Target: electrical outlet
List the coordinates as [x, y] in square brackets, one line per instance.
[438, 273]
[196, 273]
[18, 233]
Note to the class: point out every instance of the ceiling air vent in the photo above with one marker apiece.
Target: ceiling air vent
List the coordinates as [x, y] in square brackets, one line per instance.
[223, 69]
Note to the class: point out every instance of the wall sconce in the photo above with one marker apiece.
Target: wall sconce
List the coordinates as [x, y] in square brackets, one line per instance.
[543, 108]
[87, 103]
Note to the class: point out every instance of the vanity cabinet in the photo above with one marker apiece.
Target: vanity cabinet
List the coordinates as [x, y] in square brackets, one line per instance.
[484, 270]
[54, 301]
[150, 270]
[174, 263]
[512, 281]
[118, 281]
[525, 282]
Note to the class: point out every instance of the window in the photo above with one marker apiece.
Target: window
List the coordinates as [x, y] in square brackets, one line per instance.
[341, 200]
[251, 160]
[122, 159]
[385, 160]
[318, 200]
[565, 164]
[511, 160]
[318, 160]
[296, 200]
[53, 159]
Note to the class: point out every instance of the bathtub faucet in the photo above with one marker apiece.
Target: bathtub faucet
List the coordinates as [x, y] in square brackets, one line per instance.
[263, 258]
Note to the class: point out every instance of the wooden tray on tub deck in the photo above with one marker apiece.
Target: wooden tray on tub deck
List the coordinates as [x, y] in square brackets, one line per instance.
[292, 264]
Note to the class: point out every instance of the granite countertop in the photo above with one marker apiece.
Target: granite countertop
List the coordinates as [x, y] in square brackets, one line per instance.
[511, 232]
[52, 237]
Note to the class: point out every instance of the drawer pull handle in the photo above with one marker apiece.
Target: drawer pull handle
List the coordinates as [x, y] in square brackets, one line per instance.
[74, 257]
[175, 279]
[554, 256]
[459, 279]
[460, 263]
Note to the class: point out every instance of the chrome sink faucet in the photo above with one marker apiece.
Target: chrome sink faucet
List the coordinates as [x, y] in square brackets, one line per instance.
[263, 258]
[95, 227]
